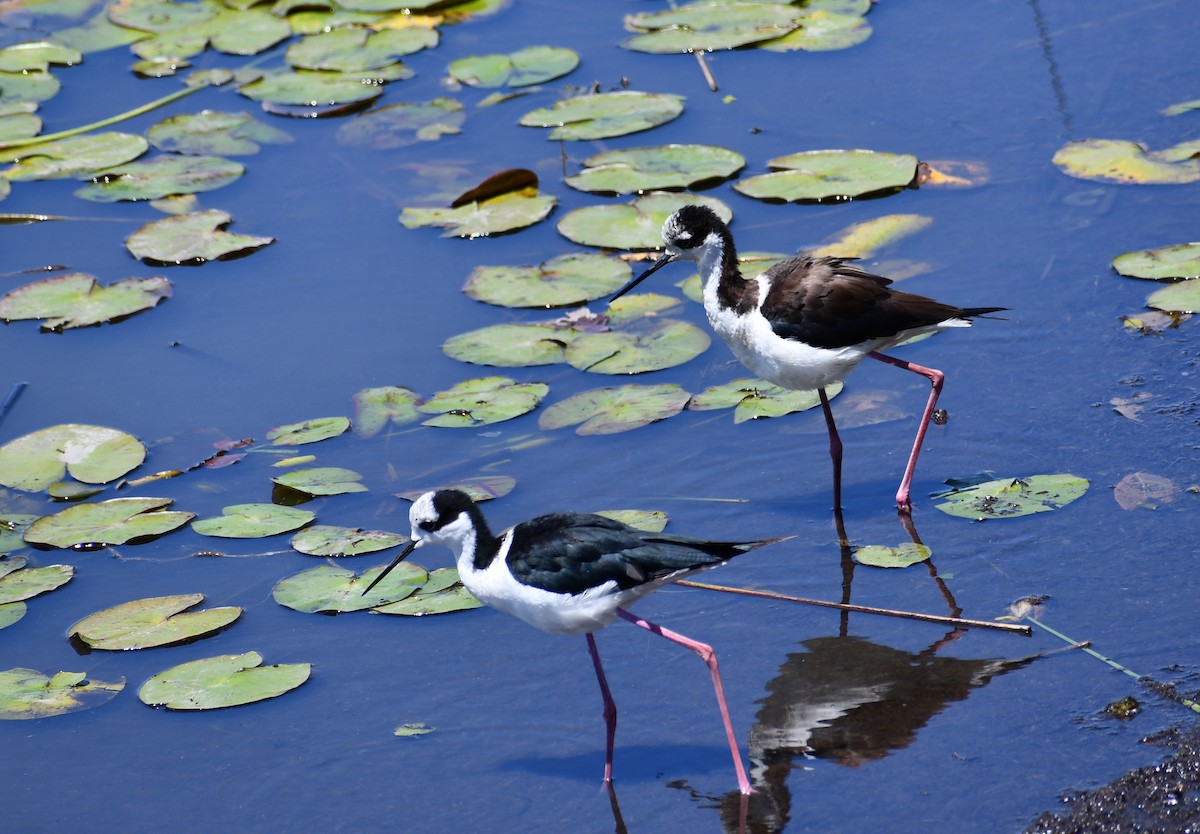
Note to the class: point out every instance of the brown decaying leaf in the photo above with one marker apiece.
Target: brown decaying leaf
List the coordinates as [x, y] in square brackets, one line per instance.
[1131, 407]
[504, 182]
[1142, 489]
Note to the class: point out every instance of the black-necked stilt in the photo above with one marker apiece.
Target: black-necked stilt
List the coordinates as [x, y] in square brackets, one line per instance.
[807, 322]
[571, 573]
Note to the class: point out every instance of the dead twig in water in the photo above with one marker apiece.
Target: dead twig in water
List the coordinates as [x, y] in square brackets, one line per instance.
[708, 76]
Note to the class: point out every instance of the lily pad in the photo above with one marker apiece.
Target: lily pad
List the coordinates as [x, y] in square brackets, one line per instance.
[27, 86]
[638, 170]
[215, 132]
[881, 556]
[93, 454]
[198, 236]
[225, 681]
[605, 115]
[1183, 297]
[613, 410]
[157, 621]
[76, 156]
[1179, 261]
[404, 123]
[18, 121]
[161, 15]
[374, 408]
[78, 300]
[650, 345]
[863, 240]
[358, 49]
[505, 213]
[1137, 489]
[822, 30]
[18, 582]
[12, 533]
[479, 489]
[707, 26]
[480, 402]
[1128, 163]
[1012, 497]
[563, 281]
[327, 540]
[322, 480]
[115, 521]
[331, 590]
[37, 56]
[11, 612]
[318, 88]
[421, 604]
[511, 345]
[637, 225]
[835, 174]
[753, 399]
[253, 521]
[650, 521]
[28, 693]
[525, 67]
[161, 177]
[412, 730]
[309, 431]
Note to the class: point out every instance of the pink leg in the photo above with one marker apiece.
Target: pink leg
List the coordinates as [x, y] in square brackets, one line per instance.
[610, 708]
[710, 658]
[835, 450]
[935, 378]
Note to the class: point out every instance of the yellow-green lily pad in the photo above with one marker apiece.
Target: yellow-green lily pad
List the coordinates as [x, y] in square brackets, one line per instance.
[322, 88]
[822, 30]
[636, 225]
[480, 402]
[637, 170]
[190, 238]
[617, 409]
[11, 612]
[115, 521]
[563, 281]
[510, 345]
[753, 399]
[1128, 163]
[92, 454]
[37, 56]
[161, 177]
[523, 68]
[833, 174]
[421, 604]
[12, 532]
[328, 540]
[863, 240]
[18, 121]
[162, 15]
[1013, 497]
[605, 115]
[322, 480]
[1183, 297]
[156, 621]
[650, 521]
[308, 431]
[225, 681]
[79, 300]
[27, 86]
[374, 408]
[332, 590]
[215, 132]
[19, 582]
[253, 521]
[404, 123]
[75, 156]
[358, 49]
[648, 345]
[707, 26]
[504, 213]
[882, 556]
[28, 693]
[1181, 261]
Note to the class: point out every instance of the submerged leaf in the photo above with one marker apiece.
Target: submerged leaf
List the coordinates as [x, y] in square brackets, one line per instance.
[252, 521]
[92, 454]
[374, 408]
[404, 123]
[115, 521]
[1138, 489]
[78, 300]
[215, 132]
[1012, 497]
[146, 623]
[605, 115]
[28, 693]
[617, 409]
[224, 681]
[198, 236]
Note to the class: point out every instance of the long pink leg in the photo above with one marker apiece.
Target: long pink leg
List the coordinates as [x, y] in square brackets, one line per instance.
[835, 449]
[610, 707]
[710, 658]
[936, 378]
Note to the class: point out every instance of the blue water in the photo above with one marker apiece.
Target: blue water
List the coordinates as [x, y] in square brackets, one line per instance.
[347, 299]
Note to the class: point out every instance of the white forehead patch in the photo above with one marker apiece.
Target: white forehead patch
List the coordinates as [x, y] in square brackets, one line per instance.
[422, 510]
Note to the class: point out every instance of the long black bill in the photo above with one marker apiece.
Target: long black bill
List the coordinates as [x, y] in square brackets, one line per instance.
[654, 267]
[412, 545]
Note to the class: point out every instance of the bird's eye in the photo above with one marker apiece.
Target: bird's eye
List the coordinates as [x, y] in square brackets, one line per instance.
[427, 526]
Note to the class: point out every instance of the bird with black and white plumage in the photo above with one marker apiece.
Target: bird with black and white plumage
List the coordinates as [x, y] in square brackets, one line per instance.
[572, 573]
[808, 321]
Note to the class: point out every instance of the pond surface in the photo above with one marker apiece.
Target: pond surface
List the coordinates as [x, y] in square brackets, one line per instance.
[852, 722]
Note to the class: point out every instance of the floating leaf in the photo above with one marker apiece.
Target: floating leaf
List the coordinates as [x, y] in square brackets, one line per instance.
[253, 521]
[532, 65]
[412, 730]
[840, 175]
[331, 590]
[161, 177]
[645, 169]
[479, 489]
[160, 16]
[323, 480]
[448, 601]
[881, 556]
[707, 26]
[863, 240]
[604, 115]
[38, 56]
[1183, 297]
[315, 88]
[25, 583]
[1179, 261]
[27, 693]
[76, 156]
[78, 300]
[405, 123]
[247, 31]
[637, 225]
[309, 431]
[480, 402]
[1139, 489]
[510, 345]
[650, 345]
[1181, 107]
[27, 86]
[11, 612]
[327, 540]
[755, 398]
[358, 49]
[374, 408]
[93, 454]
[506, 213]
[12, 531]
[1121, 161]
[215, 132]
[146, 623]
[650, 521]
[617, 409]
[563, 281]
[226, 681]
[1012, 497]
[115, 521]
[822, 30]
[191, 237]
[18, 121]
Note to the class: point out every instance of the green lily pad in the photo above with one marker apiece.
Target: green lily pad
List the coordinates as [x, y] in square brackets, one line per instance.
[605, 115]
[511, 345]
[650, 345]
[1177, 298]
[358, 49]
[753, 399]
[319, 88]
[881, 556]
[1179, 108]
[563, 281]
[479, 489]
[309, 431]
[78, 300]
[708, 26]
[404, 123]
[27, 86]
[198, 236]
[1128, 163]
[253, 521]
[637, 225]
[93, 454]
[523, 68]
[412, 730]
[1179, 261]
[480, 402]
[215, 132]
[247, 31]
[650, 521]
[28, 693]
[161, 15]
[421, 604]
[1012, 497]
[323, 480]
[331, 590]
[11, 612]
[863, 240]
[76, 156]
[327, 540]
[161, 177]
[97, 34]
[12, 532]
[225, 681]
[840, 174]
[37, 56]
[374, 408]
[637, 170]
[18, 582]
[18, 121]
[505, 213]
[157, 621]
[115, 521]
[617, 409]
[822, 31]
